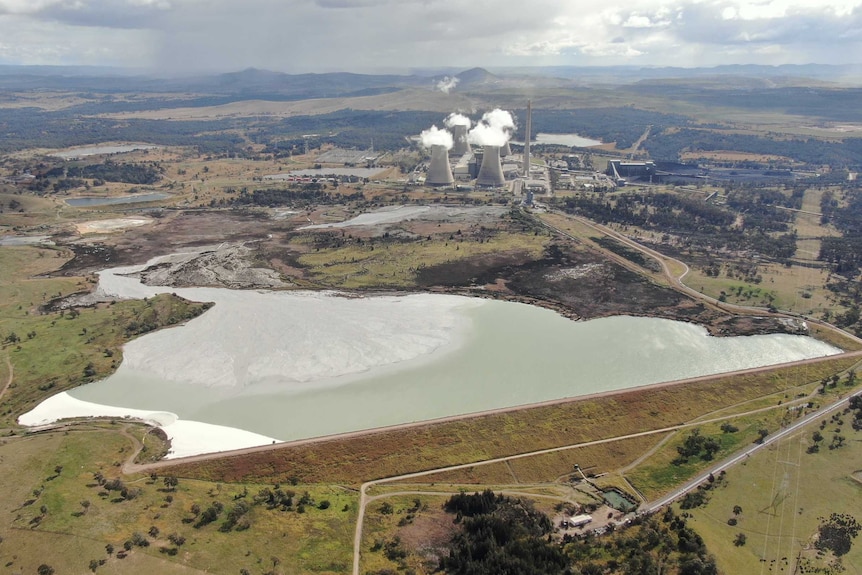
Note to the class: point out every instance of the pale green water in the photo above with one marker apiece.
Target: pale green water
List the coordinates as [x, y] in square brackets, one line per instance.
[513, 354]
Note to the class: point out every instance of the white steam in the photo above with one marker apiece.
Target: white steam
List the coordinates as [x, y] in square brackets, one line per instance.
[433, 136]
[456, 119]
[494, 129]
[500, 119]
[447, 83]
[485, 135]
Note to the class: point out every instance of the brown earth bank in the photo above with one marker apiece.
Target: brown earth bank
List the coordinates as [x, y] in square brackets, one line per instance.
[247, 247]
[359, 457]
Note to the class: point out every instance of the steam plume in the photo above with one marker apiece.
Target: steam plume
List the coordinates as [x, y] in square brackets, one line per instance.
[447, 83]
[436, 137]
[500, 119]
[494, 129]
[456, 119]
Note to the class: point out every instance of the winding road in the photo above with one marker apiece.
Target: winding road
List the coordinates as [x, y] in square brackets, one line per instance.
[365, 499]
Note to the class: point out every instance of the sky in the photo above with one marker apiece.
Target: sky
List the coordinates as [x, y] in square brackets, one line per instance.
[182, 36]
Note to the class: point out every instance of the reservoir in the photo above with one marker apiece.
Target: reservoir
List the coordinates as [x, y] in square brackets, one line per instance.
[566, 140]
[292, 365]
[85, 151]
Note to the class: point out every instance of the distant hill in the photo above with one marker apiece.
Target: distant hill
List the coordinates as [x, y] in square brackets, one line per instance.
[477, 77]
[847, 74]
[254, 83]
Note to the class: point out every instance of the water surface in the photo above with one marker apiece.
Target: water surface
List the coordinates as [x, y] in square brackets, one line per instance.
[503, 354]
[87, 202]
[566, 140]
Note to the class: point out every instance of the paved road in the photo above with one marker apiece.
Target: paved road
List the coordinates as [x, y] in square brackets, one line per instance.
[746, 453]
[364, 498]
[677, 281]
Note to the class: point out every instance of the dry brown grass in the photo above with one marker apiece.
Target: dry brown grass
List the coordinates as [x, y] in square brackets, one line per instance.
[407, 99]
[394, 452]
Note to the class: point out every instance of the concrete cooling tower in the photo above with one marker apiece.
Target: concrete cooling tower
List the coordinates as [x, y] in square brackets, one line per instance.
[505, 150]
[459, 134]
[491, 172]
[439, 171]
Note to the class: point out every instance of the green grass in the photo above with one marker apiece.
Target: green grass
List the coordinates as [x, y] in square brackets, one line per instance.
[394, 264]
[316, 541]
[57, 351]
[783, 492]
[658, 474]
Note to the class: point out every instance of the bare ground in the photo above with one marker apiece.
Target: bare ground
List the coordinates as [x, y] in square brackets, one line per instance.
[252, 250]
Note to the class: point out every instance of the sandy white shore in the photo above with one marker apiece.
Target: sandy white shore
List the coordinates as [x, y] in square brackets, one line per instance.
[187, 437]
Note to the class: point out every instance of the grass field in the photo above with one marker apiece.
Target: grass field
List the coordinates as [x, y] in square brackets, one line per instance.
[783, 494]
[395, 264]
[84, 344]
[48, 521]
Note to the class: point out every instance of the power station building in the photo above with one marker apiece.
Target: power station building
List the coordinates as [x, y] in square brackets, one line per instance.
[620, 169]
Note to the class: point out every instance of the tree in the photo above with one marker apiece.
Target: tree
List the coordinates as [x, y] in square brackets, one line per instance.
[171, 482]
[836, 534]
[86, 505]
[44, 569]
[737, 509]
[94, 564]
[740, 539]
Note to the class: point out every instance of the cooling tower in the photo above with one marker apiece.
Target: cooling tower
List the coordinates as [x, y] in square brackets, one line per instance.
[439, 171]
[491, 172]
[505, 150]
[459, 134]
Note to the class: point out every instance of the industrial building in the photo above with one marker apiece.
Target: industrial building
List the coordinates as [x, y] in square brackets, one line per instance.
[621, 169]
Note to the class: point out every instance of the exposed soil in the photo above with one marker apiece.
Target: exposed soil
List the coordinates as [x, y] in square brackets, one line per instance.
[253, 249]
[428, 536]
[225, 265]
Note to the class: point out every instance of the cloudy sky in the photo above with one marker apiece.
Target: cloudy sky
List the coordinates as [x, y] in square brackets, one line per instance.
[178, 36]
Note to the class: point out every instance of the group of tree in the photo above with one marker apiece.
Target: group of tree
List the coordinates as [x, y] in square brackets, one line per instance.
[836, 533]
[700, 225]
[670, 144]
[651, 545]
[844, 253]
[697, 445]
[299, 195]
[498, 534]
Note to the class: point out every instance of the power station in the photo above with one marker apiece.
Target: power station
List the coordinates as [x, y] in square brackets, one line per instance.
[493, 163]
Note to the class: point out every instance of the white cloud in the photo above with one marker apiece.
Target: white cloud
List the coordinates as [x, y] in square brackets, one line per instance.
[321, 35]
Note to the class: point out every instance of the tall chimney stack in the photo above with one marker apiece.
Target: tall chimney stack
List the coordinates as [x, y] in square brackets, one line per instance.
[439, 170]
[459, 134]
[491, 171]
[527, 135]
